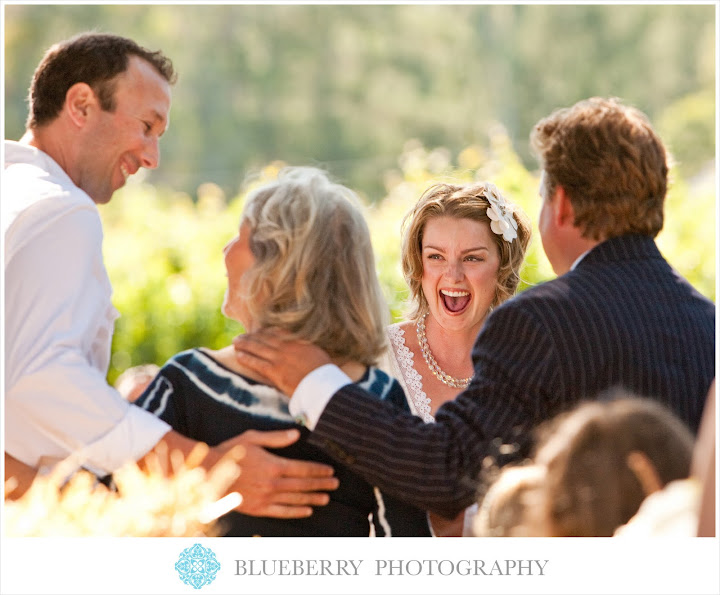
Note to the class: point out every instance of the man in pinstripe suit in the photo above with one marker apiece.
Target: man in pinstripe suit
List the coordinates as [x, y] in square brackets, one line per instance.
[616, 316]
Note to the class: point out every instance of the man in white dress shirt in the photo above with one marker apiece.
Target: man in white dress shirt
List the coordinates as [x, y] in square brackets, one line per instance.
[98, 107]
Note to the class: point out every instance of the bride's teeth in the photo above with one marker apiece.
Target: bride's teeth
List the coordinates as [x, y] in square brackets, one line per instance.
[454, 293]
[124, 172]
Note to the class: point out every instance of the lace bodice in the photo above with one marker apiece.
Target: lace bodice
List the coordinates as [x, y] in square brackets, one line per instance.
[411, 379]
[399, 361]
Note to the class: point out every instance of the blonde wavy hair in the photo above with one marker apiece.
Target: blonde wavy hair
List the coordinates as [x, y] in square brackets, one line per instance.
[460, 202]
[314, 272]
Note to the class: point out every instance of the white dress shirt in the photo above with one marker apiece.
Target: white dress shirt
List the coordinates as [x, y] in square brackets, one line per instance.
[58, 325]
[314, 391]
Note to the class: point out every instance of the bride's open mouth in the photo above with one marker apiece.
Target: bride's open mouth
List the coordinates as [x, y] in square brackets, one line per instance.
[455, 301]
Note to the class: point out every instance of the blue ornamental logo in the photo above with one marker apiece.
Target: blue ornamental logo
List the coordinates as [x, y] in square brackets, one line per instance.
[197, 566]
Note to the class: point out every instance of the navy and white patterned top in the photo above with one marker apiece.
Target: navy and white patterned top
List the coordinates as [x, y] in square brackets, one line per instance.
[206, 401]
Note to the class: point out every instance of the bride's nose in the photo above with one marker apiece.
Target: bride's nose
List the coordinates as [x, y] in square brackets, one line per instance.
[454, 271]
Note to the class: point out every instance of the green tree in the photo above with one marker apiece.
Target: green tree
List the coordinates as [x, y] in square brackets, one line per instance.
[344, 86]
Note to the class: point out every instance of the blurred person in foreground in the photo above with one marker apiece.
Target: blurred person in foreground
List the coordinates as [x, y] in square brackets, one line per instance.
[617, 315]
[99, 104]
[506, 509]
[602, 460]
[684, 507]
[462, 250]
[303, 262]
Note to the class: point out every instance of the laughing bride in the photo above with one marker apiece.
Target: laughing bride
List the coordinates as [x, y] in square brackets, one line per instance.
[462, 250]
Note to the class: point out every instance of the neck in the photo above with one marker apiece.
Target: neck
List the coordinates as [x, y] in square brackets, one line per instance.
[46, 139]
[574, 251]
[31, 138]
[451, 342]
[453, 365]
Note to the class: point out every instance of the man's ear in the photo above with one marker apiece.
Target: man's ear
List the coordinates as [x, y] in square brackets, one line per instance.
[646, 473]
[564, 211]
[80, 99]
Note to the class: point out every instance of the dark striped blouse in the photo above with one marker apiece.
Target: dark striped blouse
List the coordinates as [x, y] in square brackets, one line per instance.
[206, 401]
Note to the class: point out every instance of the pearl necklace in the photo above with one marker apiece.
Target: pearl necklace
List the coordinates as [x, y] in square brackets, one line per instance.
[443, 377]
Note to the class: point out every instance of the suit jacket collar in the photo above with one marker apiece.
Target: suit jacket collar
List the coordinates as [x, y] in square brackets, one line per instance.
[627, 247]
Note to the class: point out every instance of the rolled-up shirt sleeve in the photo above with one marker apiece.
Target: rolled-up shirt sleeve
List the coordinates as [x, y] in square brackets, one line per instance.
[58, 329]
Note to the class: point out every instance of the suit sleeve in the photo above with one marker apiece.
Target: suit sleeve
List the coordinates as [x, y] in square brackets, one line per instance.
[437, 466]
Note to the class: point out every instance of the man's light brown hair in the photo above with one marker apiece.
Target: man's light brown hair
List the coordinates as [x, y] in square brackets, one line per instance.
[611, 163]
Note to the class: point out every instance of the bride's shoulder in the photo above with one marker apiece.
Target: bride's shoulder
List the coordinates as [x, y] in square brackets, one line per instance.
[402, 334]
[401, 328]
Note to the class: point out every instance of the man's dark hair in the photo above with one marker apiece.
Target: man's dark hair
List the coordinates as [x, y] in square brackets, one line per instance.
[92, 58]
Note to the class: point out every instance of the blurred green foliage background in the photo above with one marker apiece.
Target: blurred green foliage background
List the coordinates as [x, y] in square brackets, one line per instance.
[388, 99]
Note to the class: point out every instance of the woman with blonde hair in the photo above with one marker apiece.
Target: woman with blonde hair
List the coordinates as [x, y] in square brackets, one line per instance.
[302, 262]
[462, 249]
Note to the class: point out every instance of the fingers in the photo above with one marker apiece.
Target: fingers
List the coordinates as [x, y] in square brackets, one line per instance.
[275, 356]
[282, 488]
[303, 490]
[305, 487]
[279, 511]
[307, 471]
[301, 499]
[270, 346]
[258, 346]
[273, 439]
[284, 505]
[278, 466]
[271, 337]
[247, 354]
[247, 450]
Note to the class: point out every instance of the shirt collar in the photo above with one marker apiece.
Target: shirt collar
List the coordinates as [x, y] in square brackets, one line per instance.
[578, 259]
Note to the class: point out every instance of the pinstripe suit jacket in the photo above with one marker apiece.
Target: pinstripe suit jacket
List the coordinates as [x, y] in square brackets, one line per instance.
[622, 318]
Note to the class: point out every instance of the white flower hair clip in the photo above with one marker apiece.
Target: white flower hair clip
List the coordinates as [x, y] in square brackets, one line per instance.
[500, 213]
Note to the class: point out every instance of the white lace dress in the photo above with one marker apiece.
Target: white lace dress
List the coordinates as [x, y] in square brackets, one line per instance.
[398, 361]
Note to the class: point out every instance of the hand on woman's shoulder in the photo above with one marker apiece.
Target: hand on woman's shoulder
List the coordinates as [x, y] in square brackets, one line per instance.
[226, 356]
